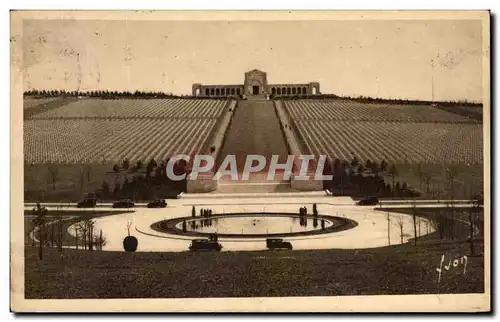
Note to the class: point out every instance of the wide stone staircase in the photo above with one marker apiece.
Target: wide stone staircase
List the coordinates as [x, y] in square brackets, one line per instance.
[255, 129]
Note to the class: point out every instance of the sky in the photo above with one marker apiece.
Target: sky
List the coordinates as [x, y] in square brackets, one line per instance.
[377, 58]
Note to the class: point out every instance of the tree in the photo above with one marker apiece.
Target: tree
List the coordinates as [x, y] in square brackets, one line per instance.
[451, 174]
[476, 208]
[354, 162]
[82, 176]
[88, 173]
[105, 189]
[383, 166]
[427, 180]
[393, 171]
[125, 164]
[83, 228]
[414, 215]
[54, 175]
[420, 174]
[52, 235]
[116, 190]
[116, 168]
[76, 236]
[439, 224]
[99, 240]
[397, 189]
[388, 228]
[91, 225]
[39, 222]
[150, 166]
[368, 164]
[375, 168]
[400, 222]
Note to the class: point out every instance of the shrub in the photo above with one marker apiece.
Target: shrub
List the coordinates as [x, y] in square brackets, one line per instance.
[130, 244]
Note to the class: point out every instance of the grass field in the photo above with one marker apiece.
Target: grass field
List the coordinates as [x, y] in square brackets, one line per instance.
[396, 270]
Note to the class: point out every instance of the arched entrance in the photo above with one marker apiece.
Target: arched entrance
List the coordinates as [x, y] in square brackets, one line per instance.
[255, 87]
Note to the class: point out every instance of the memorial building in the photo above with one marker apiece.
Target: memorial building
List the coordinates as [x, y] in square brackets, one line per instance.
[255, 84]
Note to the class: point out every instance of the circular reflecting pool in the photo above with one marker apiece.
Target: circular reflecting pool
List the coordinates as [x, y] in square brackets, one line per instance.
[253, 225]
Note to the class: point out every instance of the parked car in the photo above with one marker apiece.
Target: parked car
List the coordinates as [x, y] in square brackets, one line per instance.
[368, 201]
[125, 203]
[160, 203]
[274, 243]
[204, 244]
[87, 203]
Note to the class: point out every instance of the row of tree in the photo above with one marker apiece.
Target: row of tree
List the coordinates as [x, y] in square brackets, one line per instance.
[105, 94]
[49, 230]
[159, 94]
[378, 100]
[357, 178]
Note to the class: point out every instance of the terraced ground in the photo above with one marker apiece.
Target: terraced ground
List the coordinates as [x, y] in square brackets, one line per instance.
[31, 102]
[395, 141]
[90, 141]
[345, 110]
[103, 131]
[397, 133]
[136, 108]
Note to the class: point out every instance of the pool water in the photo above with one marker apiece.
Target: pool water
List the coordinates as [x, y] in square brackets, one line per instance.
[253, 224]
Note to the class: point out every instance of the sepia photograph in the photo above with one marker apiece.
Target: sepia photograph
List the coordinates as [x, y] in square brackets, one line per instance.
[250, 161]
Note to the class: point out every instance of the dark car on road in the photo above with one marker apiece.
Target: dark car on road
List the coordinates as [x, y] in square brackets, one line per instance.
[274, 243]
[125, 203]
[160, 203]
[87, 203]
[368, 201]
[204, 244]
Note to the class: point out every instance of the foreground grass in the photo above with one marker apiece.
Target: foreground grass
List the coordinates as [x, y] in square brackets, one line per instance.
[393, 270]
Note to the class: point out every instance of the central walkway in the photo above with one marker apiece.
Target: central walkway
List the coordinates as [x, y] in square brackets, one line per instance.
[255, 129]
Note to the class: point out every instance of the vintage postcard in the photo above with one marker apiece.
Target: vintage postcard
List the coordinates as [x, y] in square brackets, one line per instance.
[239, 161]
